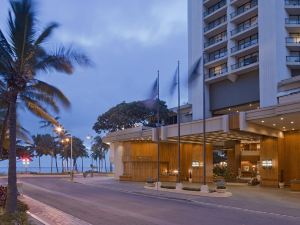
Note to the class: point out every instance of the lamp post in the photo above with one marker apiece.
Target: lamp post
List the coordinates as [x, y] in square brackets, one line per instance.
[59, 130]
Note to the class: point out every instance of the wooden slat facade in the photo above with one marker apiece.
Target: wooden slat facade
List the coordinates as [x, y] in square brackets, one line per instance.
[140, 161]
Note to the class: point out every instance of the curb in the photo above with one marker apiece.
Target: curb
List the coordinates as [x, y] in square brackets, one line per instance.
[37, 218]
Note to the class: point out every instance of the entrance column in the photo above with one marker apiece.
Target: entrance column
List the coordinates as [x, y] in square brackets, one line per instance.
[234, 158]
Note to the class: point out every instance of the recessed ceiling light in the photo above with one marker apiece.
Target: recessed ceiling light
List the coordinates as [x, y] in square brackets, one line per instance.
[293, 129]
[274, 124]
[281, 118]
[262, 121]
[292, 122]
[283, 127]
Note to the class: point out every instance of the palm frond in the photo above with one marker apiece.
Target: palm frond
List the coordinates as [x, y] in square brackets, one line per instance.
[50, 90]
[21, 27]
[36, 109]
[46, 33]
[42, 99]
[63, 60]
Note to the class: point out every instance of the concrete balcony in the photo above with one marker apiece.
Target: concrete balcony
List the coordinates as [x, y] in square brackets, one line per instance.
[244, 31]
[237, 3]
[292, 6]
[293, 43]
[216, 27]
[216, 61]
[244, 13]
[245, 66]
[209, 3]
[215, 11]
[293, 62]
[221, 72]
[292, 25]
[215, 44]
[245, 49]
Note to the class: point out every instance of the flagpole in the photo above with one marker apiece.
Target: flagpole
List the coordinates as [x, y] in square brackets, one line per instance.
[178, 122]
[204, 124]
[157, 130]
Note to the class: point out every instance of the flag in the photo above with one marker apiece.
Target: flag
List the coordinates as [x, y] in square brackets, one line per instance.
[152, 96]
[194, 71]
[154, 90]
[174, 82]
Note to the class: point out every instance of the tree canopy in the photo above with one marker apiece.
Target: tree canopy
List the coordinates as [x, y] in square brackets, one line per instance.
[128, 115]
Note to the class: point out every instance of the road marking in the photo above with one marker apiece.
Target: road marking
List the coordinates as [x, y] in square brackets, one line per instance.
[49, 215]
[200, 203]
[105, 208]
[37, 218]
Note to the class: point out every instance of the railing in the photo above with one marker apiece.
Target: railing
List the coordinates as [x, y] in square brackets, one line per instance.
[242, 28]
[243, 9]
[217, 73]
[245, 45]
[293, 59]
[292, 21]
[215, 57]
[292, 40]
[245, 63]
[214, 8]
[215, 23]
[214, 41]
[292, 2]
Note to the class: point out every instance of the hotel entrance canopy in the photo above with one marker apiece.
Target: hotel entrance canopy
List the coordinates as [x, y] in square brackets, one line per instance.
[218, 129]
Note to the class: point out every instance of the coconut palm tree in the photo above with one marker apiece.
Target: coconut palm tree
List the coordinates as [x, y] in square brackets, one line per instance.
[99, 150]
[23, 57]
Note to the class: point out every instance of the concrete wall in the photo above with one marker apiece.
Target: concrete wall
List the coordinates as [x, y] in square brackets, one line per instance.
[272, 49]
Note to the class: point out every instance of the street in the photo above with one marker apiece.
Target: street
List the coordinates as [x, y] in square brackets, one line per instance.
[97, 205]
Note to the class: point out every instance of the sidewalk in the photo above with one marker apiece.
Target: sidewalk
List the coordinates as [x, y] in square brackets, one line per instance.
[48, 215]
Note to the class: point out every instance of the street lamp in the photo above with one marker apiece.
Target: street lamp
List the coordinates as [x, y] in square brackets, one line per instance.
[59, 130]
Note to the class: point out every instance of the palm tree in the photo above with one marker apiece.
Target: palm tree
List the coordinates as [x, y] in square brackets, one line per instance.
[22, 58]
[99, 150]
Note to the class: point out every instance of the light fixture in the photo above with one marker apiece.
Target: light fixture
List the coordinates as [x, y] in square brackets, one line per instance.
[262, 121]
[281, 118]
[293, 128]
[237, 111]
[283, 127]
[229, 109]
[267, 164]
[292, 122]
[274, 124]
[250, 105]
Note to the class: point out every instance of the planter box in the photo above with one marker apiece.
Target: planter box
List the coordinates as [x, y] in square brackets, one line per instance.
[295, 185]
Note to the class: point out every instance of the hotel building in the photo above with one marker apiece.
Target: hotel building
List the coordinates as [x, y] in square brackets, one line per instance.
[250, 60]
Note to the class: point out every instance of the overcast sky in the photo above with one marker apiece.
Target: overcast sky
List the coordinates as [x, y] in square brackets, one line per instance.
[128, 40]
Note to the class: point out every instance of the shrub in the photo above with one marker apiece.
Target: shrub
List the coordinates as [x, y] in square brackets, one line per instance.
[19, 218]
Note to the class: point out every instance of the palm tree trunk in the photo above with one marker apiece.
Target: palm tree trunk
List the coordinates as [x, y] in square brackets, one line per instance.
[11, 203]
[82, 164]
[105, 164]
[3, 131]
[67, 164]
[62, 165]
[56, 164]
[39, 164]
[51, 163]
[99, 165]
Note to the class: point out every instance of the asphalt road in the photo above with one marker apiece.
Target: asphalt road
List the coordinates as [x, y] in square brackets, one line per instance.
[109, 207]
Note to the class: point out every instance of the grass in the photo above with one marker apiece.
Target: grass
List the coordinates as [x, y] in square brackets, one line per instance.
[18, 218]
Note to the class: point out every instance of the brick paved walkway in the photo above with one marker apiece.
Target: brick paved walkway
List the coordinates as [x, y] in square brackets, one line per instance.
[49, 215]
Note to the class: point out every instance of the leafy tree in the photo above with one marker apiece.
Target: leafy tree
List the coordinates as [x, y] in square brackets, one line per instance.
[23, 57]
[127, 115]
